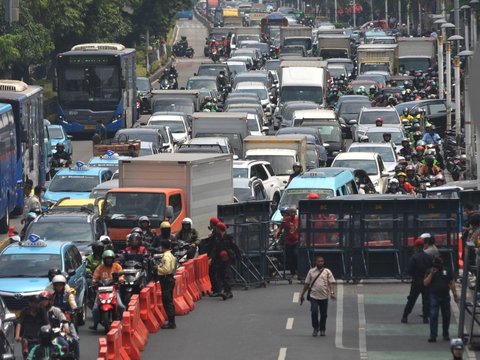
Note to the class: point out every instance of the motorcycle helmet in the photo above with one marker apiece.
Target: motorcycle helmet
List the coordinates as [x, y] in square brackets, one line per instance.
[108, 257]
[405, 142]
[421, 143]
[135, 240]
[364, 138]
[419, 149]
[165, 229]
[53, 272]
[379, 122]
[284, 210]
[97, 248]
[59, 279]
[165, 225]
[456, 344]
[46, 335]
[297, 165]
[410, 168]
[429, 160]
[313, 196]
[439, 179]
[144, 219]
[45, 295]
[401, 174]
[387, 135]
[393, 183]
[187, 222]
[136, 230]
[399, 168]
[405, 112]
[60, 147]
[372, 89]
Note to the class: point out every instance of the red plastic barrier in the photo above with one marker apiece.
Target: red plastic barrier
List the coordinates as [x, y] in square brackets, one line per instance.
[154, 306]
[127, 337]
[201, 266]
[186, 294]
[11, 231]
[192, 284]
[181, 306]
[102, 348]
[158, 293]
[145, 311]
[114, 343]
[140, 332]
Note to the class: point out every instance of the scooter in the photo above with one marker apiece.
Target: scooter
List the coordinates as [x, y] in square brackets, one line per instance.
[214, 55]
[56, 165]
[135, 279]
[107, 302]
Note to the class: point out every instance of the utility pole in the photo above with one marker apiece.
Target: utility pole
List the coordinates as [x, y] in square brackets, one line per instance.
[458, 126]
[148, 46]
[12, 11]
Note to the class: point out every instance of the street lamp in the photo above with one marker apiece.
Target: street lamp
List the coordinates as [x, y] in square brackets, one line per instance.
[457, 86]
[473, 22]
[469, 135]
[465, 8]
[440, 40]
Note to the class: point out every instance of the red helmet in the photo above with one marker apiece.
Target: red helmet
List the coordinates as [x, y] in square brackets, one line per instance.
[45, 295]
[313, 196]
[419, 148]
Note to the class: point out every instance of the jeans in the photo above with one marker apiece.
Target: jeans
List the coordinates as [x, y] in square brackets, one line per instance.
[416, 289]
[96, 312]
[315, 305]
[168, 285]
[291, 258]
[442, 303]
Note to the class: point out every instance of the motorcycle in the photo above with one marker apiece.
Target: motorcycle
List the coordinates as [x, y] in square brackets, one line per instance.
[135, 279]
[168, 82]
[56, 165]
[214, 55]
[180, 51]
[68, 344]
[107, 302]
[182, 251]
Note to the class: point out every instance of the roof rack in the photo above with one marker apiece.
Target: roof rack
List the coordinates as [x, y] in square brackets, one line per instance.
[13, 85]
[98, 46]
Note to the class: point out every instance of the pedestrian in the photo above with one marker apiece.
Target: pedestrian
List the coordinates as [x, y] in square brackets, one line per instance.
[166, 271]
[439, 281]
[456, 347]
[27, 195]
[34, 203]
[418, 265]
[430, 247]
[319, 286]
[101, 130]
[288, 229]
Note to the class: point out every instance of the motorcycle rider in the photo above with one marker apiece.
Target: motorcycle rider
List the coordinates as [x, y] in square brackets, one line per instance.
[31, 319]
[412, 177]
[60, 155]
[189, 235]
[387, 137]
[430, 136]
[46, 349]
[134, 247]
[222, 82]
[429, 168]
[297, 170]
[456, 347]
[406, 150]
[94, 260]
[149, 234]
[105, 271]
[379, 122]
[184, 42]
[394, 187]
[165, 234]
[406, 115]
[403, 183]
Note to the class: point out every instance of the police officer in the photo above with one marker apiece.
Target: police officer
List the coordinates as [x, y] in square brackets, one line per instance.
[166, 271]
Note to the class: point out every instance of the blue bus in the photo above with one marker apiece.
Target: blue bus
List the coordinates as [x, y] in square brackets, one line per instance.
[95, 82]
[8, 161]
[27, 105]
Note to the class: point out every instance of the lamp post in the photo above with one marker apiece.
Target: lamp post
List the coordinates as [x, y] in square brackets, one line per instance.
[458, 125]
[465, 8]
[448, 68]
[408, 17]
[399, 11]
[386, 11]
[473, 22]
[440, 39]
[469, 136]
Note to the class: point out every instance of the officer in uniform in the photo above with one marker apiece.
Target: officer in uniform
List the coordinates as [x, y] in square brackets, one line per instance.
[166, 271]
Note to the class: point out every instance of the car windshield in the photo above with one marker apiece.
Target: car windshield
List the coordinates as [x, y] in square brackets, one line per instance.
[146, 151]
[172, 105]
[303, 93]
[122, 205]
[148, 137]
[385, 152]
[242, 194]
[370, 166]
[291, 197]
[55, 133]
[62, 231]
[143, 84]
[329, 132]
[377, 137]
[196, 84]
[176, 126]
[210, 70]
[237, 68]
[281, 164]
[239, 172]
[261, 93]
[388, 117]
[73, 183]
[352, 107]
[28, 265]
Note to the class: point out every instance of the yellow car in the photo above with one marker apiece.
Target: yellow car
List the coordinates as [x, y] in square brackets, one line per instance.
[74, 205]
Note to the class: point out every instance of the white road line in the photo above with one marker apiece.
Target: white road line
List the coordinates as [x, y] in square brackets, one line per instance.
[362, 328]
[456, 314]
[339, 319]
[296, 297]
[282, 355]
[289, 325]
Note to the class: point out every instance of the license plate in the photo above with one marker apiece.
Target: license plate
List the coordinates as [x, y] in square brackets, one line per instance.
[90, 127]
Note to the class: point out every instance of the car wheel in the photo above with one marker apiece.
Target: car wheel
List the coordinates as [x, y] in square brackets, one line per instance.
[82, 317]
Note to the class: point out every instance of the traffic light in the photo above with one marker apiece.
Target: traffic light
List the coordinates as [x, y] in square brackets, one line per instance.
[12, 10]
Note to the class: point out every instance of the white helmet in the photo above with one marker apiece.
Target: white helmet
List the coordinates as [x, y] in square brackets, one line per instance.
[187, 221]
[59, 279]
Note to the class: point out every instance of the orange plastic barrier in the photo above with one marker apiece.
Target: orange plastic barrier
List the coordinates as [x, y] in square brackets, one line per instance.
[127, 337]
[158, 293]
[145, 311]
[181, 306]
[154, 306]
[201, 268]
[102, 348]
[11, 231]
[192, 284]
[186, 294]
[140, 332]
[114, 343]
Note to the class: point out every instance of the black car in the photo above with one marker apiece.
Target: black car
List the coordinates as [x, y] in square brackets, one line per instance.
[213, 69]
[332, 135]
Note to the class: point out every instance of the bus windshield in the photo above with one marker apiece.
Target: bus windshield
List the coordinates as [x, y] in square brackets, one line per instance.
[95, 87]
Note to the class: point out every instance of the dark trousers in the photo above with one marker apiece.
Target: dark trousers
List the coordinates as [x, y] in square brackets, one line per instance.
[439, 303]
[416, 289]
[291, 258]
[212, 273]
[316, 307]
[168, 285]
[223, 274]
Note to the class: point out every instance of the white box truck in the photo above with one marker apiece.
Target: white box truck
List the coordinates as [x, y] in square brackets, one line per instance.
[416, 54]
[378, 57]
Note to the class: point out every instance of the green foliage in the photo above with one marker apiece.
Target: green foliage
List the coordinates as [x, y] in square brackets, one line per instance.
[9, 50]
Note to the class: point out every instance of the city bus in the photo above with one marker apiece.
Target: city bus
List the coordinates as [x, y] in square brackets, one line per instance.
[95, 82]
[27, 106]
[8, 160]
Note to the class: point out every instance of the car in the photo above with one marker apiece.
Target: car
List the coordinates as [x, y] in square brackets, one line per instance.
[342, 61]
[250, 169]
[222, 142]
[185, 14]
[350, 110]
[262, 76]
[141, 133]
[371, 162]
[254, 121]
[171, 104]
[237, 67]
[101, 189]
[72, 205]
[251, 44]
[81, 226]
[213, 69]
[317, 136]
[107, 160]
[250, 107]
[167, 138]
[348, 98]
[272, 65]
[368, 117]
[24, 272]
[262, 92]
[255, 54]
[247, 60]
[177, 122]
[76, 183]
[199, 82]
[149, 148]
[248, 190]
[241, 98]
[379, 78]
[283, 116]
[57, 134]
[337, 71]
[386, 151]
[375, 134]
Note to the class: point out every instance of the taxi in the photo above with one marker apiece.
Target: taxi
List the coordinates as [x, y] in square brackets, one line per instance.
[24, 271]
[76, 182]
[110, 160]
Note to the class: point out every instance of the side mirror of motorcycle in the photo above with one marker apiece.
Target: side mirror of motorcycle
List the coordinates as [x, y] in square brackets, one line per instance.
[71, 272]
[8, 357]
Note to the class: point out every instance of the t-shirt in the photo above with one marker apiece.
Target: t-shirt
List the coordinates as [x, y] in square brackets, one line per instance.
[440, 281]
[320, 289]
[31, 323]
[290, 230]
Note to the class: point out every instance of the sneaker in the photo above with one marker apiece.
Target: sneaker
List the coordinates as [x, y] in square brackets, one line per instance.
[446, 337]
[404, 320]
[169, 326]
[322, 333]
[425, 320]
[214, 294]
[226, 296]
[315, 332]
[432, 339]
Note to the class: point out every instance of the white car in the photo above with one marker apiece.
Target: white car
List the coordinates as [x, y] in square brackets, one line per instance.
[367, 119]
[176, 122]
[371, 162]
[262, 92]
[386, 151]
[263, 170]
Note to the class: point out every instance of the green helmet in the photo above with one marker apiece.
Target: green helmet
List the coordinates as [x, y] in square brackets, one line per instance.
[108, 253]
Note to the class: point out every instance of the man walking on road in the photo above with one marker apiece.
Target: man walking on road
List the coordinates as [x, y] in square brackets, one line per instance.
[288, 229]
[418, 265]
[319, 285]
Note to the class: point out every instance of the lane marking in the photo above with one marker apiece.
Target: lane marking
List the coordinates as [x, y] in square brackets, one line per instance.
[456, 315]
[362, 328]
[339, 319]
[282, 355]
[289, 325]
[296, 297]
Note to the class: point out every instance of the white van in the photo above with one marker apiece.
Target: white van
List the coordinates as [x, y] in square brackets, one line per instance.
[303, 83]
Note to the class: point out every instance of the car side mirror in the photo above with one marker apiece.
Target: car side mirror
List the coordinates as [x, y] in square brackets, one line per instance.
[352, 122]
[385, 174]
[169, 212]
[9, 317]
[70, 137]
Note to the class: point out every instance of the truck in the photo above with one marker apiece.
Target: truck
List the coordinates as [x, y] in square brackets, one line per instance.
[231, 17]
[297, 35]
[168, 187]
[281, 151]
[234, 126]
[415, 54]
[333, 46]
[378, 57]
[187, 101]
